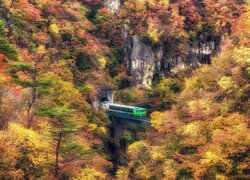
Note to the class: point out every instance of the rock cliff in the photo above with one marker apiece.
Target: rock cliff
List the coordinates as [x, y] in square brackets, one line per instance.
[113, 5]
[143, 61]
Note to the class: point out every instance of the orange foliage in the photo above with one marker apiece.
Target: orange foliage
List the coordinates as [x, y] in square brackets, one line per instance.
[2, 64]
[32, 13]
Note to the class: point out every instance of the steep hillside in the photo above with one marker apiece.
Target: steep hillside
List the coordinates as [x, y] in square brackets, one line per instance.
[48, 129]
[186, 61]
[206, 133]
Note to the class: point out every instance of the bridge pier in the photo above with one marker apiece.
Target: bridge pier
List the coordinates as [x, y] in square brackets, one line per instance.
[117, 145]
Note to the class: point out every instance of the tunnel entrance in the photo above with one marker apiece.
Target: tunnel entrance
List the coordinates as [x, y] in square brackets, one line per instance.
[102, 96]
[103, 103]
[104, 99]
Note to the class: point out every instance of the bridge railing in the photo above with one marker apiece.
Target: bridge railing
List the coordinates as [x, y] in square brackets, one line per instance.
[128, 116]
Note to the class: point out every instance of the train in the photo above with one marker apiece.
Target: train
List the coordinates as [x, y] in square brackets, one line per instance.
[131, 110]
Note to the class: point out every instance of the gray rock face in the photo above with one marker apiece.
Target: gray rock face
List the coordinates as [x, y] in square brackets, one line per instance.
[198, 54]
[113, 5]
[142, 63]
[127, 46]
[203, 51]
[145, 62]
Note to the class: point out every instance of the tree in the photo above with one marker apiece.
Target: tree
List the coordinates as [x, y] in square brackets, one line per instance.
[60, 107]
[5, 48]
[26, 75]
[31, 12]
[91, 174]
[206, 133]
[25, 154]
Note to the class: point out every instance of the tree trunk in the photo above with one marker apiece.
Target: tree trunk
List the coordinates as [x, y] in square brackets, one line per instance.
[56, 174]
[12, 3]
[30, 107]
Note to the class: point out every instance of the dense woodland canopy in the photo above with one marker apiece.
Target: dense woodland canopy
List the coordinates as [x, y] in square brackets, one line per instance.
[56, 56]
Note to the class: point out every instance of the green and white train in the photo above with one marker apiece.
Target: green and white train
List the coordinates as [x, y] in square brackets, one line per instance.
[131, 110]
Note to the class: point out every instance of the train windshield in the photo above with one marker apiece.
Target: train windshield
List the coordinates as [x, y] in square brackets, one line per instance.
[140, 112]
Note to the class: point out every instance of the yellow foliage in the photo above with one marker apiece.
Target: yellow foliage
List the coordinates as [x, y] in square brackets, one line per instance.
[14, 142]
[226, 83]
[140, 5]
[142, 172]
[42, 3]
[54, 29]
[242, 56]
[157, 156]
[63, 92]
[192, 83]
[220, 177]
[194, 133]
[226, 106]
[102, 61]
[157, 119]
[93, 127]
[215, 157]
[3, 79]
[211, 157]
[90, 174]
[102, 130]
[154, 33]
[231, 132]
[164, 2]
[169, 169]
[243, 28]
[202, 79]
[192, 130]
[32, 137]
[37, 144]
[63, 66]
[138, 148]
[41, 49]
[122, 173]
[203, 104]
[223, 122]
[7, 155]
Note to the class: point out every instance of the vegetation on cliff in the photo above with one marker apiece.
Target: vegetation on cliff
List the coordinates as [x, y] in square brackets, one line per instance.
[205, 135]
[55, 57]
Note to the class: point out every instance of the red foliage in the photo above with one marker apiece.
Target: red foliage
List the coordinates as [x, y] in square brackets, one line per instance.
[2, 64]
[65, 11]
[41, 37]
[53, 7]
[157, 101]
[93, 46]
[94, 2]
[191, 13]
[31, 13]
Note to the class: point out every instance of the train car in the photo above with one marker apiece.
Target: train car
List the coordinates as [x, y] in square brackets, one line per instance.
[131, 110]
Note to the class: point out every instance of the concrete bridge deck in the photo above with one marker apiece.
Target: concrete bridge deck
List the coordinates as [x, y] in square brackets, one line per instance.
[127, 117]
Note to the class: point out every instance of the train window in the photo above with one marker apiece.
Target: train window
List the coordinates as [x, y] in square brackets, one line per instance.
[125, 109]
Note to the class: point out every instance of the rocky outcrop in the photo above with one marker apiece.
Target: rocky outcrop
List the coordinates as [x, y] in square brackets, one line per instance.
[198, 54]
[203, 51]
[113, 5]
[143, 61]
[127, 46]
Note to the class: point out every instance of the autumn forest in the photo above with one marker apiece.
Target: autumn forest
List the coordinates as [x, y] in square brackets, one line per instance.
[187, 62]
